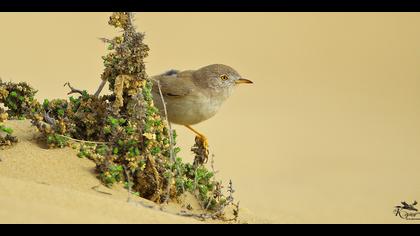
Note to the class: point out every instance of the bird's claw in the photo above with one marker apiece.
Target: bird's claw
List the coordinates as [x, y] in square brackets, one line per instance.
[205, 142]
[201, 150]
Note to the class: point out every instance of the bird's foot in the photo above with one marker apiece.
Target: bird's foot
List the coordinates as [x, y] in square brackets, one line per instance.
[204, 141]
[201, 150]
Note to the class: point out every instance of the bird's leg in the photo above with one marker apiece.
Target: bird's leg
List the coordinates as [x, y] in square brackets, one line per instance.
[200, 136]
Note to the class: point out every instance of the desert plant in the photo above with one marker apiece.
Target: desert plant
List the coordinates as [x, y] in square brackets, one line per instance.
[18, 98]
[6, 138]
[123, 133]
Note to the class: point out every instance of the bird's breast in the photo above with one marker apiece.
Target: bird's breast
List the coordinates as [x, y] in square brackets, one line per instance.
[191, 109]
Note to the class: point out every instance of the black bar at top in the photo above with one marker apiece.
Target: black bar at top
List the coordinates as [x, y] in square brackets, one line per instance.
[211, 5]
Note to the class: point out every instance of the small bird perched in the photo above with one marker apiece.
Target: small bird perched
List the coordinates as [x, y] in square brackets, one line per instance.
[193, 96]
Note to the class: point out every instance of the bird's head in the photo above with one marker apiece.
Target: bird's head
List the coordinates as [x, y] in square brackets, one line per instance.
[218, 76]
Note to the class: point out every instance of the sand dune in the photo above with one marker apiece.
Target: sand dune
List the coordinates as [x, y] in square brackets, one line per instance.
[38, 185]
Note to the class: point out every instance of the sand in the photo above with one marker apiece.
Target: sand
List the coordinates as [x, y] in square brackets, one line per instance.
[38, 185]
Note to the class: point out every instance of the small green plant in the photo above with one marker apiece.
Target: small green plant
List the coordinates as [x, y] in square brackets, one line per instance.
[200, 182]
[5, 129]
[6, 138]
[18, 98]
[56, 140]
[114, 174]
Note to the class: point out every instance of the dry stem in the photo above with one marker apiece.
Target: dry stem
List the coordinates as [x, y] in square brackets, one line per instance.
[72, 89]
[81, 141]
[101, 87]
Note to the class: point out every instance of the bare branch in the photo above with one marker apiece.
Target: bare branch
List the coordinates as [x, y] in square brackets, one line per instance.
[73, 90]
[105, 40]
[129, 182]
[51, 121]
[167, 120]
[171, 145]
[80, 141]
[101, 87]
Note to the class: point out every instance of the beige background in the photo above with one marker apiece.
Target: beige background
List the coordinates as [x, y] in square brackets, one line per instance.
[330, 130]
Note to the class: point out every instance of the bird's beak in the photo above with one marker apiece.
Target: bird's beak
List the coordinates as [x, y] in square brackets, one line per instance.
[243, 81]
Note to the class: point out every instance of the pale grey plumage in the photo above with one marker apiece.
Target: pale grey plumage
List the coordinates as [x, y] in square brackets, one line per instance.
[194, 96]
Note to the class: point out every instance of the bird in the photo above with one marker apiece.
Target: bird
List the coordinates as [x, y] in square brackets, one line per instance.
[194, 96]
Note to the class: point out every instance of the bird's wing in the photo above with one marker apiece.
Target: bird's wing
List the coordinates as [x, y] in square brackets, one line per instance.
[172, 85]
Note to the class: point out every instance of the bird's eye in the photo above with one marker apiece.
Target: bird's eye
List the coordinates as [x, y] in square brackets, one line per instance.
[224, 77]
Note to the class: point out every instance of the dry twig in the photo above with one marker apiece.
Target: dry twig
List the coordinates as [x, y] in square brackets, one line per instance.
[80, 141]
[95, 188]
[100, 88]
[72, 89]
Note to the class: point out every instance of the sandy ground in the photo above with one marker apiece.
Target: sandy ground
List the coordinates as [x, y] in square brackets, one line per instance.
[38, 185]
[328, 133]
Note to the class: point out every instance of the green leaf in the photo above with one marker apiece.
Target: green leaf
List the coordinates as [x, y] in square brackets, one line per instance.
[121, 142]
[6, 129]
[107, 130]
[129, 130]
[46, 103]
[85, 94]
[60, 112]
[155, 150]
[137, 151]
[112, 121]
[81, 154]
